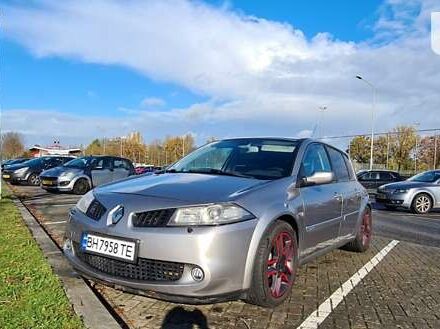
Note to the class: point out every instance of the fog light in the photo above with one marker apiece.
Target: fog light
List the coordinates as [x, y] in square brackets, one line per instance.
[197, 274]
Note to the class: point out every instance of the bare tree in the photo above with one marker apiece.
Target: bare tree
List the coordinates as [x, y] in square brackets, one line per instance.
[12, 145]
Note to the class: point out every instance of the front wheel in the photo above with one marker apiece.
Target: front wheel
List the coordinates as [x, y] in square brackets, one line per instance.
[34, 180]
[81, 186]
[363, 237]
[275, 266]
[422, 203]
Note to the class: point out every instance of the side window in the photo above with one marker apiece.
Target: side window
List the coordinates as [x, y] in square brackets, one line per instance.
[349, 167]
[53, 162]
[315, 160]
[120, 164]
[101, 163]
[338, 164]
[385, 176]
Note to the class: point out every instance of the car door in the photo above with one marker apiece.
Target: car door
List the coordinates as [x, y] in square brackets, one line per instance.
[385, 178]
[101, 171]
[120, 169]
[322, 203]
[350, 190]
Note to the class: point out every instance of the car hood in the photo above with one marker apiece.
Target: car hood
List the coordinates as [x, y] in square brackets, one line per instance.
[404, 185]
[196, 188]
[15, 166]
[57, 171]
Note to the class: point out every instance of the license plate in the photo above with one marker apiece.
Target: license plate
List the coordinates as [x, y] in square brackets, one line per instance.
[46, 182]
[109, 246]
[6, 176]
[381, 196]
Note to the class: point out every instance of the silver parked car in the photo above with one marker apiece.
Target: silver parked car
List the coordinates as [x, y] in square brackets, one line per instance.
[420, 193]
[233, 219]
[82, 174]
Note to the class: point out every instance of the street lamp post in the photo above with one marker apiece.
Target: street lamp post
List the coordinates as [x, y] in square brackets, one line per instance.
[321, 109]
[373, 88]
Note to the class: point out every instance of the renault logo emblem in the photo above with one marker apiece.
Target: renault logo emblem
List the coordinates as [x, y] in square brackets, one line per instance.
[117, 214]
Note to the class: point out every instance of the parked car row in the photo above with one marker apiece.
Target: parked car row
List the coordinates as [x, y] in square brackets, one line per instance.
[420, 193]
[68, 174]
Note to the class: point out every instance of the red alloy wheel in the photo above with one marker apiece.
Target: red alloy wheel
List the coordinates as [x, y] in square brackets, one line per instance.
[366, 228]
[280, 264]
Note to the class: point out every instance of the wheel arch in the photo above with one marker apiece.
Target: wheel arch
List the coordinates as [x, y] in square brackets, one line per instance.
[259, 232]
[82, 176]
[430, 194]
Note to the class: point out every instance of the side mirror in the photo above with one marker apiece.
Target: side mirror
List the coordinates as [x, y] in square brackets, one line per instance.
[318, 178]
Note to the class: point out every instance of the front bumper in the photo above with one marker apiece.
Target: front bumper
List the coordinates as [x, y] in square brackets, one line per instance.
[56, 184]
[220, 251]
[14, 178]
[393, 199]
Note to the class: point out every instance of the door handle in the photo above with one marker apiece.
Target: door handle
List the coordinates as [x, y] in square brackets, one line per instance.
[337, 196]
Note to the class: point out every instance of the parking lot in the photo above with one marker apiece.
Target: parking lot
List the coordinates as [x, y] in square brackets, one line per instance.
[401, 291]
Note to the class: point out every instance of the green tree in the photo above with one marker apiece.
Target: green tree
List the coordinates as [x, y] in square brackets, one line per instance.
[360, 149]
[403, 143]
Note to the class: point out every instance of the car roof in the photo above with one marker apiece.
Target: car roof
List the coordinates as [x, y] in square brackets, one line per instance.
[264, 138]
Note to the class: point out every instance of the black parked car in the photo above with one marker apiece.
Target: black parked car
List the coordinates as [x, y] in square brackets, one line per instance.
[372, 179]
[29, 171]
[11, 162]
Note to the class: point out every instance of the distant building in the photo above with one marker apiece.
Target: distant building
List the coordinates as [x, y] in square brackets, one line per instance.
[54, 149]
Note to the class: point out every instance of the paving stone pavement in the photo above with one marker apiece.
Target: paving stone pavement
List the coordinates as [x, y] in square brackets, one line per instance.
[403, 291]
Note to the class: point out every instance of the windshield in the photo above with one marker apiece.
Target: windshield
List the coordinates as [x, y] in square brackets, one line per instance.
[251, 158]
[34, 162]
[426, 177]
[79, 163]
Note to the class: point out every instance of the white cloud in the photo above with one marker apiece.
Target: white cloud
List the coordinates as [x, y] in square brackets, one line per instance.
[263, 77]
[152, 102]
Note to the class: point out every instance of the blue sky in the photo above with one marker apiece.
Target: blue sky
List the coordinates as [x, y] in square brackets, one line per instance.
[207, 68]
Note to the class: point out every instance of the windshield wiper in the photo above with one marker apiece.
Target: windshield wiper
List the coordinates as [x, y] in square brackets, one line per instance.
[213, 171]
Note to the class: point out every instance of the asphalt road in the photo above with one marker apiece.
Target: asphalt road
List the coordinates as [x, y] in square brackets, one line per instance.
[405, 226]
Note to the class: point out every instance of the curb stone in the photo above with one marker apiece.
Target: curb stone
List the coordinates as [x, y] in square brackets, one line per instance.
[85, 303]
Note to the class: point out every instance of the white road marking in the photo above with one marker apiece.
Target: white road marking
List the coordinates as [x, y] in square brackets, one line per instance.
[54, 223]
[317, 317]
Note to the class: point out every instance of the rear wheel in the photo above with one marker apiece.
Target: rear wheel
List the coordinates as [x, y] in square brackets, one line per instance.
[275, 266]
[81, 186]
[34, 180]
[363, 238]
[422, 203]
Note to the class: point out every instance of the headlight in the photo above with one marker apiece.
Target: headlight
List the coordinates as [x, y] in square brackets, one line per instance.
[399, 191]
[84, 203]
[21, 171]
[215, 214]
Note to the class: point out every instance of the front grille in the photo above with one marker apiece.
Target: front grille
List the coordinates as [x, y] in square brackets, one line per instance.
[95, 210]
[144, 270]
[154, 218]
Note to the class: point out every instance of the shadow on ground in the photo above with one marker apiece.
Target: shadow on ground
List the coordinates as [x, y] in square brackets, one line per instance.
[179, 318]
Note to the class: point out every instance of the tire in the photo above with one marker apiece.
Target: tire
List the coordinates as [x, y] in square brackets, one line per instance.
[422, 204]
[34, 180]
[389, 207]
[272, 278]
[81, 186]
[363, 237]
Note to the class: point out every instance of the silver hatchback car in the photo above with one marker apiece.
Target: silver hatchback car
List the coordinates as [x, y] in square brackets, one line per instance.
[233, 219]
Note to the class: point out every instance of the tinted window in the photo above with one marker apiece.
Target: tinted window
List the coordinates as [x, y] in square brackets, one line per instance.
[315, 160]
[385, 176]
[101, 163]
[120, 164]
[338, 164]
